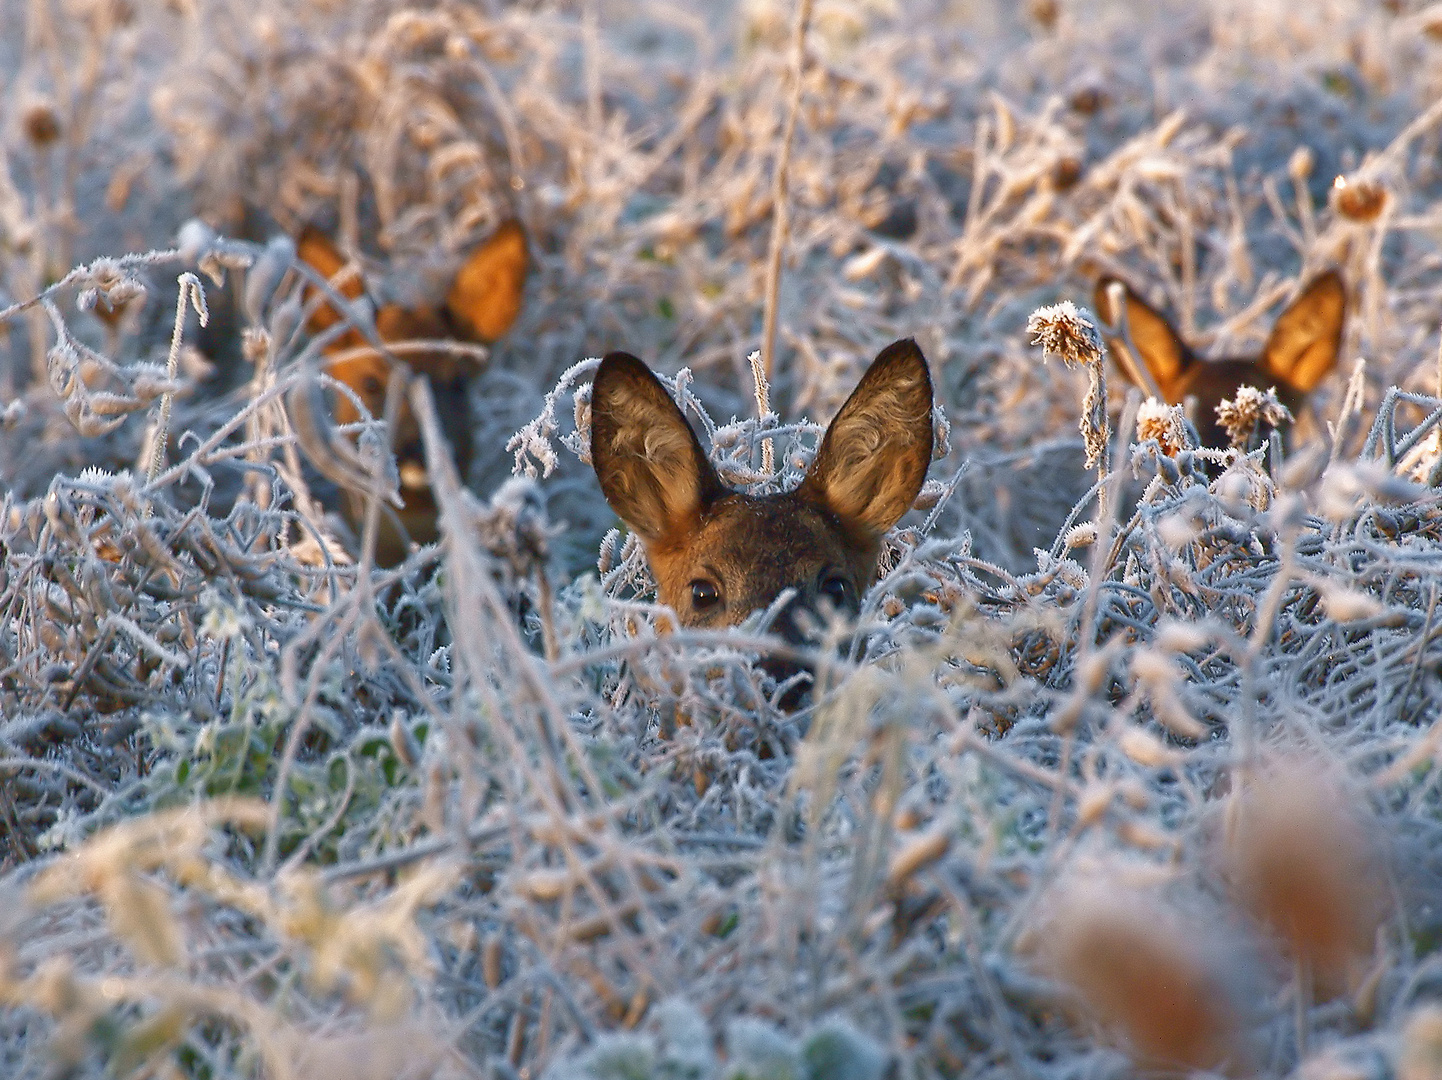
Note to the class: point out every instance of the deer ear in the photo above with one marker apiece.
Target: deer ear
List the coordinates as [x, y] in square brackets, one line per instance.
[316, 251]
[874, 455]
[650, 464]
[1303, 346]
[1162, 349]
[485, 298]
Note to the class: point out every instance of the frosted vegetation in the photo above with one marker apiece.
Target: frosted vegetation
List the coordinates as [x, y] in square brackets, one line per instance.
[1132, 762]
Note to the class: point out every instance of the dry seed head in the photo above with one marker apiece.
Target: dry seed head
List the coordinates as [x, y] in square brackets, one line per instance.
[139, 913]
[1133, 964]
[1066, 173]
[1088, 99]
[1299, 857]
[1069, 332]
[1163, 423]
[255, 342]
[1066, 331]
[40, 120]
[1044, 12]
[1300, 164]
[1146, 749]
[1359, 200]
[1243, 413]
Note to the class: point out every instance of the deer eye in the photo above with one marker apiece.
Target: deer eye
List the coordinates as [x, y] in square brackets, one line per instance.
[372, 386]
[704, 594]
[836, 589]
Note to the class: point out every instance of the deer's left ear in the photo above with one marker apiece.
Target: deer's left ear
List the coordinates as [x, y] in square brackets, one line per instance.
[874, 455]
[316, 250]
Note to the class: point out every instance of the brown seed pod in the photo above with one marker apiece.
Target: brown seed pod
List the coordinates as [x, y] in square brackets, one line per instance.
[40, 120]
[1089, 99]
[1044, 12]
[1065, 173]
[1300, 858]
[1361, 201]
[1140, 970]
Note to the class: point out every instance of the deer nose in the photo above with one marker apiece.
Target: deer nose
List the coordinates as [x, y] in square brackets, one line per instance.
[797, 622]
[800, 623]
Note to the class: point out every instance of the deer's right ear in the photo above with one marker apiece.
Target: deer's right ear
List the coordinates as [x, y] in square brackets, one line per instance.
[647, 458]
[1304, 345]
[1162, 349]
[315, 250]
[873, 458]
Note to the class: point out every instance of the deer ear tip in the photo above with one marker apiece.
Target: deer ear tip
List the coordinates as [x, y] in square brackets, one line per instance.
[620, 365]
[903, 352]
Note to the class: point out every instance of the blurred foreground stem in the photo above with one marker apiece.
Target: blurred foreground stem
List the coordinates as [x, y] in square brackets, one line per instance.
[779, 221]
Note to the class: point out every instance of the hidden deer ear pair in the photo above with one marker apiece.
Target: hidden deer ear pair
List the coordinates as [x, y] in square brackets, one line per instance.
[480, 305]
[1300, 352]
[718, 554]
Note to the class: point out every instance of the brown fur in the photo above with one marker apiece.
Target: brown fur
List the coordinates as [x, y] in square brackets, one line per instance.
[822, 539]
[1299, 354]
[482, 303]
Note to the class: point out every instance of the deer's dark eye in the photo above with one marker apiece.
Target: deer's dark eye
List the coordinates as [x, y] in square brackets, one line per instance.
[372, 387]
[838, 590]
[704, 594]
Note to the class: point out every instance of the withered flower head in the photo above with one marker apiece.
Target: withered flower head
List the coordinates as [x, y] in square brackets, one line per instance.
[1164, 423]
[1251, 407]
[1066, 172]
[1044, 12]
[1066, 331]
[1360, 200]
[40, 120]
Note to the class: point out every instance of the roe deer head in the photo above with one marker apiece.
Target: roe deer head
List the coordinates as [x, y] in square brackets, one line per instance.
[1300, 352]
[718, 554]
[483, 301]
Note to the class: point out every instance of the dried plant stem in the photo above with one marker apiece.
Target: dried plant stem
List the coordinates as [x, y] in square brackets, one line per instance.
[82, 273]
[779, 221]
[190, 290]
[591, 61]
[547, 604]
[1097, 399]
[1129, 356]
[1436, 472]
[763, 407]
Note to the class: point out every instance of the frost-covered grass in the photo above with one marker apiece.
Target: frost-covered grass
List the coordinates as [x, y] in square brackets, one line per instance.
[1137, 766]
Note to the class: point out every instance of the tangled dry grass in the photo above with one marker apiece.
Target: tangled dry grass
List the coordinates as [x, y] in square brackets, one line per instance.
[1137, 768]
